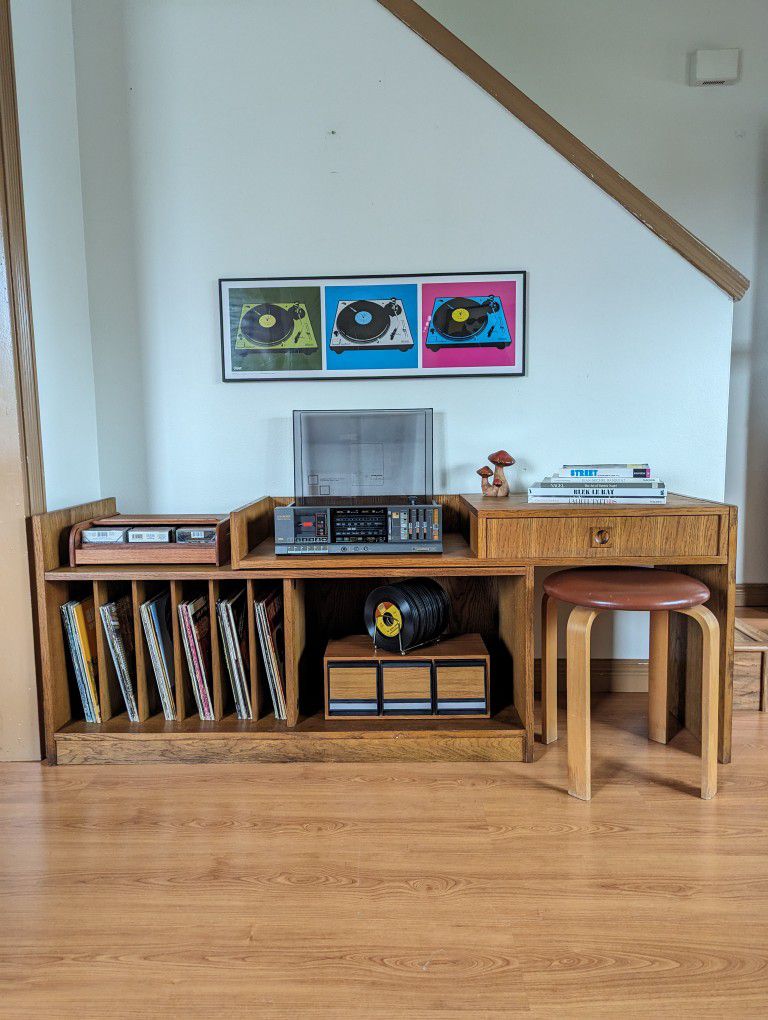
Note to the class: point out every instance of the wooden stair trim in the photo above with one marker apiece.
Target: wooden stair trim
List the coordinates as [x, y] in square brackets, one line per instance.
[643, 208]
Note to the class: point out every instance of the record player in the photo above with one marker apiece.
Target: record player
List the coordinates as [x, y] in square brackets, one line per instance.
[366, 325]
[363, 484]
[272, 326]
[468, 322]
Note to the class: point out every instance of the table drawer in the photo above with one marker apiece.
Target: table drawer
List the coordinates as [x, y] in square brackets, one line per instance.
[606, 537]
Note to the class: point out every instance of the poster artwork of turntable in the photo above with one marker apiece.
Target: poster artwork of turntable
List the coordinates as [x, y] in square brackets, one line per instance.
[347, 327]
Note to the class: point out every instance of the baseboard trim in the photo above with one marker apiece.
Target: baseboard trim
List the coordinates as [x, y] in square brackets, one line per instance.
[752, 594]
[620, 676]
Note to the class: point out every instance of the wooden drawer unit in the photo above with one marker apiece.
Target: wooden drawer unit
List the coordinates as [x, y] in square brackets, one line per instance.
[406, 688]
[448, 678]
[461, 688]
[352, 688]
[598, 537]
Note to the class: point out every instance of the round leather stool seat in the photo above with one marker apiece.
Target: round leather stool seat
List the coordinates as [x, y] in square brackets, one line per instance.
[626, 588]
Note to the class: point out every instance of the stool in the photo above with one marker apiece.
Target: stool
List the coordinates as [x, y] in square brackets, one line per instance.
[594, 589]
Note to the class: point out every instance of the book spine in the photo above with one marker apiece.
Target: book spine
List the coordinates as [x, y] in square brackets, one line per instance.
[592, 500]
[592, 491]
[601, 470]
[553, 482]
[601, 476]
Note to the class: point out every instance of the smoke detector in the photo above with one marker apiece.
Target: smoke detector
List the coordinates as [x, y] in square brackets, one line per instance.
[715, 67]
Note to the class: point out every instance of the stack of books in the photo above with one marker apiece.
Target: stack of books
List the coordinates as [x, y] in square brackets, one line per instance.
[627, 484]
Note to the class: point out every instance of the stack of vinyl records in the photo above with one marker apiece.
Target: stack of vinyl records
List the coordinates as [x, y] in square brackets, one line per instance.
[232, 624]
[625, 484]
[79, 628]
[269, 623]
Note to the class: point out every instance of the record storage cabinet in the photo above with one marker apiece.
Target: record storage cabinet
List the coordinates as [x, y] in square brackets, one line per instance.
[323, 600]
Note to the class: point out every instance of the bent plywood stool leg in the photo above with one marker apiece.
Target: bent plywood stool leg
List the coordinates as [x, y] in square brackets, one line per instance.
[577, 669]
[548, 669]
[710, 695]
[658, 657]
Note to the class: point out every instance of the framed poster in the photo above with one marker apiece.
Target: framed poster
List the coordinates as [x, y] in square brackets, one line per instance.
[340, 327]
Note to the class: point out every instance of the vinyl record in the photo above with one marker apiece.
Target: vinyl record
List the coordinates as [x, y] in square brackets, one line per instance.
[407, 615]
[267, 324]
[363, 322]
[462, 318]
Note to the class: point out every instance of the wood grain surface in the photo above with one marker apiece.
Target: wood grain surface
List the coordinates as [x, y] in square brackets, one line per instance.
[392, 890]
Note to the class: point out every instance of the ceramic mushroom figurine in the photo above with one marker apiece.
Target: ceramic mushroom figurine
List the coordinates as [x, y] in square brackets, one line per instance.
[500, 460]
[485, 473]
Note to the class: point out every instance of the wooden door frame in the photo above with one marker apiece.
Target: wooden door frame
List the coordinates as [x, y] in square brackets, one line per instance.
[18, 309]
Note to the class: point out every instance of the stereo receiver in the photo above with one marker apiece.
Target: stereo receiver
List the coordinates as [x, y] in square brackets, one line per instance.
[359, 529]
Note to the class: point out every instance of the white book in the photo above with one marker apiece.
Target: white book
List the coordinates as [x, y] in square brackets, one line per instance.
[592, 500]
[600, 470]
[592, 491]
[555, 481]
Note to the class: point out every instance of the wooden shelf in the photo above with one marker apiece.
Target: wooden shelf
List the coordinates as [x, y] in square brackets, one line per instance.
[118, 741]
[456, 555]
[262, 562]
[492, 548]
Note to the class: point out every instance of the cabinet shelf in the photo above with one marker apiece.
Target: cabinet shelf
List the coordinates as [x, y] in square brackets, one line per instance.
[314, 738]
[323, 598]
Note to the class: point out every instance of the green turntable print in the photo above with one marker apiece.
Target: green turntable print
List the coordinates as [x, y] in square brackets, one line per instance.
[275, 326]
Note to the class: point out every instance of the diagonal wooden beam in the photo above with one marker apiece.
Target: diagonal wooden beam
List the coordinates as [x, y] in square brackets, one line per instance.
[568, 145]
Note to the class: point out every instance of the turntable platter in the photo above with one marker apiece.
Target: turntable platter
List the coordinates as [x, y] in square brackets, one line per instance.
[266, 324]
[363, 321]
[461, 318]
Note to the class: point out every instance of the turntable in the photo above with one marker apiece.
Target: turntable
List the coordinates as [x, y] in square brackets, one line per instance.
[268, 326]
[468, 322]
[370, 325]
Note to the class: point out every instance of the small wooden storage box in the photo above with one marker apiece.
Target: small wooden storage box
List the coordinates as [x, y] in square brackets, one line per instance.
[406, 687]
[351, 688]
[750, 660]
[109, 553]
[461, 688]
[450, 678]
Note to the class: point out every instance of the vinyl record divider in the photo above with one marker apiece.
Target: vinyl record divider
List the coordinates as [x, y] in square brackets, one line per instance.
[138, 592]
[218, 665]
[256, 676]
[185, 701]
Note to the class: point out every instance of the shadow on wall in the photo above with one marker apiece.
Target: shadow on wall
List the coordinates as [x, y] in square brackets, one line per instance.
[753, 531]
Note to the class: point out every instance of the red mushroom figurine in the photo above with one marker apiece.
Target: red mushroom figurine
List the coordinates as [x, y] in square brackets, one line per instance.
[485, 473]
[500, 460]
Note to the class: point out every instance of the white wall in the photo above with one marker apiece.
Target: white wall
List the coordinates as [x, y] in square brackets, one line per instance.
[50, 158]
[615, 74]
[198, 164]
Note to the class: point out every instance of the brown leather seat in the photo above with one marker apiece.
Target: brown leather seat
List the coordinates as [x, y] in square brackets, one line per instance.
[626, 588]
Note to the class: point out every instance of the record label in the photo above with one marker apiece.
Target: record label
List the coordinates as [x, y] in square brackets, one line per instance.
[389, 622]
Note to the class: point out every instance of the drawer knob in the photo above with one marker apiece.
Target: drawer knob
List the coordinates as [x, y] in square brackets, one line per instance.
[601, 536]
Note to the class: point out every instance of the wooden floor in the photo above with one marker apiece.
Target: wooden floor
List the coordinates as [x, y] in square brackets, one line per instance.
[387, 891]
